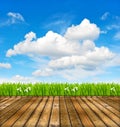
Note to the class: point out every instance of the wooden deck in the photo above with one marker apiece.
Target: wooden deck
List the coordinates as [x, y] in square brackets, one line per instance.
[60, 111]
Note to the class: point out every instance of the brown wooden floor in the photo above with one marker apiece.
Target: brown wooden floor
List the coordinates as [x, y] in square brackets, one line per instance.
[60, 111]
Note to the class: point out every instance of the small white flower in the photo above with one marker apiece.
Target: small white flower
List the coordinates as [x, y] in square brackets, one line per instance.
[113, 89]
[66, 89]
[76, 88]
[19, 89]
[29, 88]
[73, 90]
[26, 90]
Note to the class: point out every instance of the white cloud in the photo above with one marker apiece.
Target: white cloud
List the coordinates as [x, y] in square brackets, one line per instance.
[88, 45]
[30, 36]
[84, 31]
[103, 32]
[14, 17]
[59, 25]
[19, 78]
[105, 15]
[52, 44]
[78, 74]
[90, 61]
[117, 36]
[113, 26]
[115, 61]
[5, 65]
[3, 80]
[44, 72]
[74, 52]
[113, 22]
[58, 22]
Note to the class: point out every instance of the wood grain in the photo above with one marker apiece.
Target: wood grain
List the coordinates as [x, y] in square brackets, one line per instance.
[60, 111]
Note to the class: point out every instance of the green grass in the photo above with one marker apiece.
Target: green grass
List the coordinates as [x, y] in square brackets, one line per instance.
[60, 89]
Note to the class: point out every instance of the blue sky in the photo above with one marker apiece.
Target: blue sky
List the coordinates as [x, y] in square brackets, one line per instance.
[59, 41]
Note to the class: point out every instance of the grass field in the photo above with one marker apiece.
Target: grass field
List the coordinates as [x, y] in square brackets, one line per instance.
[60, 89]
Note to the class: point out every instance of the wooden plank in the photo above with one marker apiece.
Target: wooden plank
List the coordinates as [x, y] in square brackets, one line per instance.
[60, 111]
[94, 118]
[115, 99]
[2, 99]
[44, 119]
[32, 121]
[82, 114]
[111, 102]
[14, 105]
[5, 116]
[8, 102]
[101, 115]
[64, 117]
[54, 120]
[109, 107]
[15, 117]
[27, 113]
[74, 118]
[112, 116]
[5, 102]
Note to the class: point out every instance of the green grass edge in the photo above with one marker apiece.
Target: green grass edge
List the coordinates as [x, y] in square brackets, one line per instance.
[60, 89]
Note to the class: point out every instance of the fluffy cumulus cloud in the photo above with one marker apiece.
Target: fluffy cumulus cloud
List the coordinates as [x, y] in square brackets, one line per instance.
[73, 52]
[30, 36]
[89, 61]
[5, 65]
[84, 31]
[52, 44]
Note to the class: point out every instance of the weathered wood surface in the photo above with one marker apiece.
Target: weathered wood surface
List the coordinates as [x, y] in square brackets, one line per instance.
[60, 111]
